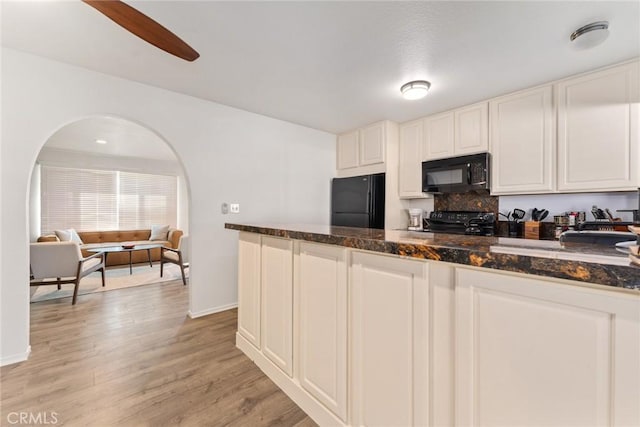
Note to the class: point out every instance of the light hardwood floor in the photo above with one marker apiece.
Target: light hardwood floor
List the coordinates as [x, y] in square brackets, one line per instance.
[132, 357]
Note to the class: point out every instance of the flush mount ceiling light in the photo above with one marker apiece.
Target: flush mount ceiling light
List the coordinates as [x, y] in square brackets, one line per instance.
[590, 35]
[101, 141]
[415, 90]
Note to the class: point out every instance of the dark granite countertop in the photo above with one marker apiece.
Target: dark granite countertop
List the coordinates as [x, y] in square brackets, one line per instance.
[589, 263]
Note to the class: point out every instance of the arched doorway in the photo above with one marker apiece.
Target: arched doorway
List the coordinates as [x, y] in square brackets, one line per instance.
[120, 175]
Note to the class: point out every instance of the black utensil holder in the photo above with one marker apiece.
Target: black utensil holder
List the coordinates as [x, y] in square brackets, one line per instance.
[514, 229]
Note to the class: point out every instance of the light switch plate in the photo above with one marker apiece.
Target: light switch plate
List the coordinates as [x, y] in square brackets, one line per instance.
[224, 208]
[234, 208]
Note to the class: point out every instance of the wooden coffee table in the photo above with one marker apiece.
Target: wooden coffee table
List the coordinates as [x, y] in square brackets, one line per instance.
[111, 249]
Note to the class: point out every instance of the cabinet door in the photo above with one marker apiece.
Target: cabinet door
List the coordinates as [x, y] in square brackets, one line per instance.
[322, 314]
[522, 142]
[249, 287]
[471, 129]
[438, 142]
[389, 341]
[347, 151]
[277, 302]
[410, 163]
[535, 353]
[372, 144]
[598, 130]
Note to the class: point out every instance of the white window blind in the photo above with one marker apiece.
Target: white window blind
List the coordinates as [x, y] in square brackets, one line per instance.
[145, 200]
[90, 200]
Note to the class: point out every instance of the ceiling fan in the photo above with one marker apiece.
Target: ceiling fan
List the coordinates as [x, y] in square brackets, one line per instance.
[144, 27]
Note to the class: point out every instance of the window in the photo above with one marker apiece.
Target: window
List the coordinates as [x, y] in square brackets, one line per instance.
[105, 200]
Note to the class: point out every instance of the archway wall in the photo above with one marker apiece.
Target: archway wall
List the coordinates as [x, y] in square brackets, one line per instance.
[276, 170]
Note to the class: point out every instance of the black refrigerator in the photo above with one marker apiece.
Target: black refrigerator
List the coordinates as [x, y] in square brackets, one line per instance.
[358, 201]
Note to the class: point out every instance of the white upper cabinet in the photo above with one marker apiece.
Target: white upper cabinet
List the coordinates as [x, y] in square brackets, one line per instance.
[372, 144]
[471, 134]
[410, 163]
[362, 147]
[522, 142]
[438, 141]
[456, 133]
[598, 130]
[348, 151]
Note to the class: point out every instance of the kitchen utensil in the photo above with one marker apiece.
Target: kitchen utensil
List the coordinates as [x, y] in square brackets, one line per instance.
[513, 218]
[611, 218]
[543, 214]
[535, 214]
[598, 213]
[518, 214]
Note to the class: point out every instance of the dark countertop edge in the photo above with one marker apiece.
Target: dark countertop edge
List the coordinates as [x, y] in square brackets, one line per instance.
[607, 275]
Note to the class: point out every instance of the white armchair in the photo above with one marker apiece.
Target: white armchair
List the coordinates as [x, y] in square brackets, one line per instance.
[179, 256]
[58, 263]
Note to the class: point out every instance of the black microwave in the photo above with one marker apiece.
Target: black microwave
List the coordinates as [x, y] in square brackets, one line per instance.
[456, 174]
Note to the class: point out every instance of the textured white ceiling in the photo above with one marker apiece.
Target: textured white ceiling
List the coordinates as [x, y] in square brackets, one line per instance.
[334, 65]
[124, 138]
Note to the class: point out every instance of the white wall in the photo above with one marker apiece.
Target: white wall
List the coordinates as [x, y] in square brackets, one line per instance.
[183, 205]
[79, 159]
[35, 206]
[558, 204]
[17, 342]
[277, 171]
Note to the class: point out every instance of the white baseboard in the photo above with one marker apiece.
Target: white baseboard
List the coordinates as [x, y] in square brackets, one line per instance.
[290, 386]
[214, 310]
[15, 358]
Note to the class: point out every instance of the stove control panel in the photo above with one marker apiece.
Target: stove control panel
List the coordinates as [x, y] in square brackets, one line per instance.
[462, 222]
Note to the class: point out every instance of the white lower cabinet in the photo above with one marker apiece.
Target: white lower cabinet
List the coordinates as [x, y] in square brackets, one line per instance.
[322, 318]
[388, 305]
[249, 254]
[366, 339]
[277, 302]
[534, 353]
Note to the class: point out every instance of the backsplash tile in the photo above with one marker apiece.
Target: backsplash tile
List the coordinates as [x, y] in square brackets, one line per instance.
[483, 202]
[472, 201]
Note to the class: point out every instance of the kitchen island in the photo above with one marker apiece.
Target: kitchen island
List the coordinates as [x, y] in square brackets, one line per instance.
[375, 327]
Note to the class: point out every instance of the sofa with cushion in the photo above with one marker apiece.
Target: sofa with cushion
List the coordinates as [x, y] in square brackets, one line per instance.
[96, 239]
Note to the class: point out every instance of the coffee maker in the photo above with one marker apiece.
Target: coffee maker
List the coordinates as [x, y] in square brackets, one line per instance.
[415, 220]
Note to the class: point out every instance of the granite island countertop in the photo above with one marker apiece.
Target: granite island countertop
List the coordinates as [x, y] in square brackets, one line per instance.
[597, 264]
